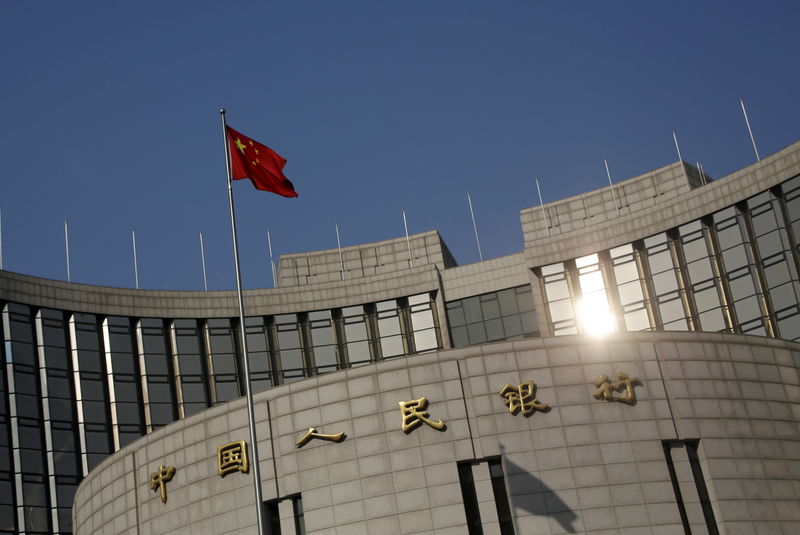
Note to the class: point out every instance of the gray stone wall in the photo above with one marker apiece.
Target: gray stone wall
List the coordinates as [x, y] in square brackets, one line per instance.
[583, 466]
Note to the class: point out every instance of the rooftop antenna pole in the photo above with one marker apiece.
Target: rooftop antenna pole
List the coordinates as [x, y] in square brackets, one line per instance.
[245, 356]
[613, 194]
[702, 175]
[541, 204]
[203, 260]
[66, 248]
[1, 238]
[408, 241]
[271, 262]
[680, 158]
[135, 260]
[750, 130]
[474, 226]
[339, 244]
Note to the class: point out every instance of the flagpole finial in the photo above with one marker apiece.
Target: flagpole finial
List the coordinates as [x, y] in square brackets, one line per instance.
[222, 111]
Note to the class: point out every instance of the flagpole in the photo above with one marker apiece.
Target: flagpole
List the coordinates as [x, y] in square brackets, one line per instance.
[475, 226]
[135, 259]
[203, 260]
[541, 204]
[246, 358]
[613, 194]
[680, 158]
[750, 130]
[66, 249]
[271, 262]
[1, 238]
[339, 244]
[408, 241]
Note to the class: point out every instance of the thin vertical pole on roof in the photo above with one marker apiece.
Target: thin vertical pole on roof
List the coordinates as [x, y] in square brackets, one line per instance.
[203, 260]
[246, 358]
[66, 249]
[680, 158]
[339, 245]
[750, 130]
[700, 170]
[1, 238]
[611, 185]
[408, 241]
[271, 262]
[541, 204]
[475, 226]
[135, 259]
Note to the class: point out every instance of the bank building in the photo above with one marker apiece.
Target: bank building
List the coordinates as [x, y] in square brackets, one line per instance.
[632, 370]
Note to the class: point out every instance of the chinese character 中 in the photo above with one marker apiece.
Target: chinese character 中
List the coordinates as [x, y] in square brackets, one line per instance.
[232, 457]
[606, 389]
[522, 397]
[414, 414]
[312, 433]
[159, 479]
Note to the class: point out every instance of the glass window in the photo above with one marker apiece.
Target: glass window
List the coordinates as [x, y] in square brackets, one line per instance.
[356, 334]
[504, 315]
[258, 347]
[390, 333]
[323, 341]
[290, 348]
[423, 323]
[557, 298]
[120, 337]
[223, 358]
[156, 364]
[192, 373]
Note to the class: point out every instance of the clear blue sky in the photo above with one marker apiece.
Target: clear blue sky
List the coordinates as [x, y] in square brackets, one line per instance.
[110, 119]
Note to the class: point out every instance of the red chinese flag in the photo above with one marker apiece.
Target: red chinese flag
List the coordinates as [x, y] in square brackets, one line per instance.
[263, 166]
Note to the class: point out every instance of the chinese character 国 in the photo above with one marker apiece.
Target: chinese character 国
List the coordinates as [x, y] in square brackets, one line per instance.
[232, 457]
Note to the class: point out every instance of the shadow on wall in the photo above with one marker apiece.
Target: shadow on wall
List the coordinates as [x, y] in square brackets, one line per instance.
[531, 495]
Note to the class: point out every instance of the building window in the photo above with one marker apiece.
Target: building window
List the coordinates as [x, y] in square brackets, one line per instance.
[223, 362]
[357, 339]
[290, 348]
[191, 370]
[558, 299]
[504, 315]
[155, 362]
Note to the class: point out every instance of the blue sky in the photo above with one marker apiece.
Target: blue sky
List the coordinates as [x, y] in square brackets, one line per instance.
[110, 119]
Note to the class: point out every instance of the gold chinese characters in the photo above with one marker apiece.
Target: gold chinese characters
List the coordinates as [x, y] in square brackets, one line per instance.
[414, 414]
[522, 398]
[159, 479]
[606, 388]
[232, 457]
[312, 433]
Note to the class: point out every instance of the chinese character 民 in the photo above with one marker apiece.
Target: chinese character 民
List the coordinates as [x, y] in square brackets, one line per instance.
[606, 389]
[522, 397]
[159, 479]
[414, 414]
[312, 433]
[232, 457]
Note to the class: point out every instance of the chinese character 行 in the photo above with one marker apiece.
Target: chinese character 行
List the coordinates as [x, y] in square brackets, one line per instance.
[522, 397]
[232, 457]
[414, 414]
[312, 433]
[606, 389]
[159, 479]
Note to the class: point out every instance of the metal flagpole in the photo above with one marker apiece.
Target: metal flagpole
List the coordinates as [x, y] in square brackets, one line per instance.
[680, 158]
[752, 139]
[339, 244]
[613, 194]
[66, 248]
[135, 260]
[1, 238]
[541, 203]
[474, 226]
[203, 260]
[271, 262]
[408, 241]
[246, 360]
[702, 173]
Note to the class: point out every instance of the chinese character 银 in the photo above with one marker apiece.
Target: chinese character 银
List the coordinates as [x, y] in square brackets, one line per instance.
[522, 398]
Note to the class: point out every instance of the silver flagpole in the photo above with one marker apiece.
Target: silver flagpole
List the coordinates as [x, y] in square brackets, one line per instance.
[339, 244]
[135, 260]
[408, 241]
[66, 248]
[474, 226]
[680, 158]
[203, 260]
[702, 173]
[750, 130]
[1, 238]
[271, 262]
[541, 203]
[613, 194]
[246, 358]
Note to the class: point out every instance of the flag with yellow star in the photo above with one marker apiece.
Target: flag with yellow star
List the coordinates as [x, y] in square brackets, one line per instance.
[263, 166]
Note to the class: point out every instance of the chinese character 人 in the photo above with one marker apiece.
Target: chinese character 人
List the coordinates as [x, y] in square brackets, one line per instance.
[606, 389]
[159, 479]
[232, 457]
[414, 414]
[312, 433]
[522, 398]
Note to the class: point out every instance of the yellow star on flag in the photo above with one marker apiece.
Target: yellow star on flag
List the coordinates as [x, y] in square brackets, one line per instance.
[239, 145]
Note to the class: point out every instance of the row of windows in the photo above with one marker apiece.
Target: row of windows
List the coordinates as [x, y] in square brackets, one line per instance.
[76, 387]
[735, 271]
[504, 315]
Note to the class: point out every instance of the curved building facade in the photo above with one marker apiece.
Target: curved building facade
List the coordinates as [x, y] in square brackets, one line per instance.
[561, 394]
